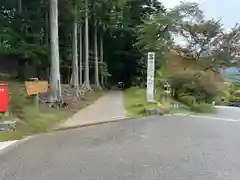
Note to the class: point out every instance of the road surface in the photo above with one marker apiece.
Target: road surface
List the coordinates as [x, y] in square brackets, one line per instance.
[228, 112]
[225, 113]
[108, 107]
[166, 148]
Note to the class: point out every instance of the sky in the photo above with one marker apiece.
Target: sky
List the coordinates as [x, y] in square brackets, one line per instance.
[228, 11]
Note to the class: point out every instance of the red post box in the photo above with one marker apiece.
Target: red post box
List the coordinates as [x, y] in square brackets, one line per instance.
[3, 97]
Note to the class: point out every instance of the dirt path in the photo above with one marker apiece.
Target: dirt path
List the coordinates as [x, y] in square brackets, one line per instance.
[108, 107]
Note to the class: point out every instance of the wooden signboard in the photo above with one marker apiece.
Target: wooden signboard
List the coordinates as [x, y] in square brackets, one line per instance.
[36, 87]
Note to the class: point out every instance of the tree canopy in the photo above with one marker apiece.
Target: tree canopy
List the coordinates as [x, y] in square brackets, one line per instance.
[108, 40]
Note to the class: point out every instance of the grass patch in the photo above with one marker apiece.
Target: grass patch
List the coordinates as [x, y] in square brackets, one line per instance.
[180, 110]
[197, 107]
[135, 101]
[29, 122]
[203, 108]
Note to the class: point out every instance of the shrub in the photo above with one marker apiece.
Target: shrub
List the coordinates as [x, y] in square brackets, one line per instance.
[194, 106]
[202, 108]
[188, 100]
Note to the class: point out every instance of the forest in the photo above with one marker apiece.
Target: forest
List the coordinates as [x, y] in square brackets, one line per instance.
[91, 44]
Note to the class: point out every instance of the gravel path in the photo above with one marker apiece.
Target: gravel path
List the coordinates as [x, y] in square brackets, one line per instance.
[108, 107]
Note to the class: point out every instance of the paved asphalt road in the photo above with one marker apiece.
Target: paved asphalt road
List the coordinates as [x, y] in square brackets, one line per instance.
[225, 113]
[228, 112]
[162, 148]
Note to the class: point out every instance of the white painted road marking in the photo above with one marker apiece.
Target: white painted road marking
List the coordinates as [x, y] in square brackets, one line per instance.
[228, 107]
[216, 118]
[207, 117]
[5, 144]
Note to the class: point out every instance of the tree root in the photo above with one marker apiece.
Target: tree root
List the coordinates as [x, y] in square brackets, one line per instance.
[86, 86]
[99, 86]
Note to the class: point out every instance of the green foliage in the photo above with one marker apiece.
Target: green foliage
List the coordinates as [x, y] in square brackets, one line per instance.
[104, 69]
[187, 10]
[233, 91]
[23, 110]
[130, 29]
[188, 84]
[188, 100]
[135, 101]
[22, 34]
[199, 107]
[74, 8]
[202, 108]
[152, 34]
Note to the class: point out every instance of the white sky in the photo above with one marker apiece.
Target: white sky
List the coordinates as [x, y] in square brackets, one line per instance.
[228, 11]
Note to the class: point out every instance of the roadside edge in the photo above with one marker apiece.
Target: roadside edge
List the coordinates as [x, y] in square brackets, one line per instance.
[13, 144]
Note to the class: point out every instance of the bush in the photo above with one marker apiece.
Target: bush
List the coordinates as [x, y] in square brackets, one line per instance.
[194, 106]
[188, 100]
[203, 108]
[221, 101]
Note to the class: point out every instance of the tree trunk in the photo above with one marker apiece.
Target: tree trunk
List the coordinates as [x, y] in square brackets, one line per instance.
[20, 6]
[55, 83]
[96, 56]
[80, 55]
[46, 38]
[86, 84]
[75, 82]
[46, 31]
[101, 56]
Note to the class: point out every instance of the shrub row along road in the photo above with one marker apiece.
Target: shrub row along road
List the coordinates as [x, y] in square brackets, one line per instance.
[166, 148]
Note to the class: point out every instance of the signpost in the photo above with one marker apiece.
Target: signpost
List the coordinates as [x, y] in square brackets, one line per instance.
[34, 87]
[5, 125]
[3, 98]
[167, 90]
[150, 77]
